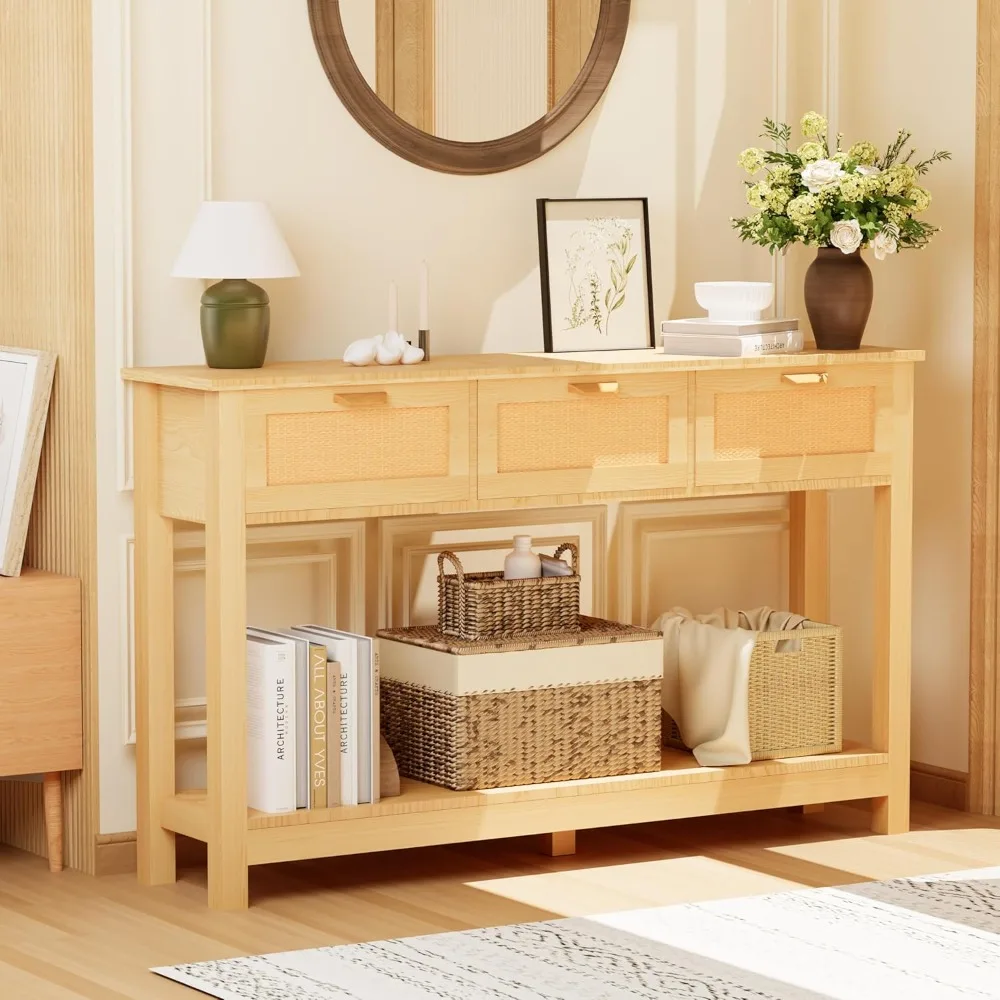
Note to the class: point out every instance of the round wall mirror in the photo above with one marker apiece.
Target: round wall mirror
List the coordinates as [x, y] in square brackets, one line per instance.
[469, 86]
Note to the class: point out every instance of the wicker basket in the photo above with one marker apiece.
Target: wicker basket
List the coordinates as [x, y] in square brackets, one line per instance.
[479, 606]
[795, 695]
[490, 715]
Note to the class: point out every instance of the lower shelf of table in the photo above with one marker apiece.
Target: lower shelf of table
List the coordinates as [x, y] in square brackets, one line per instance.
[423, 814]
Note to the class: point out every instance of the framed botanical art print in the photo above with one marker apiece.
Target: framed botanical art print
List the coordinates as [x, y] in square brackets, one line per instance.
[25, 386]
[597, 289]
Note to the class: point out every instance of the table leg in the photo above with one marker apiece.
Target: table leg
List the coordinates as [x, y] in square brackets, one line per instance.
[154, 650]
[225, 651]
[559, 845]
[52, 790]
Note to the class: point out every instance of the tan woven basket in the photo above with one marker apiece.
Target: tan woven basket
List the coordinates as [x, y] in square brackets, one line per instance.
[795, 694]
[494, 739]
[478, 606]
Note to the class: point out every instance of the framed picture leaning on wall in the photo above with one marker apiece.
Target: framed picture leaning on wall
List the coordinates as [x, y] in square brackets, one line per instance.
[25, 387]
[597, 288]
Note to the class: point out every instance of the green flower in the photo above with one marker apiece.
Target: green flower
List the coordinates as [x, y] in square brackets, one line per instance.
[899, 179]
[757, 195]
[802, 210]
[852, 188]
[752, 159]
[809, 152]
[920, 197]
[813, 125]
[896, 214]
[777, 198]
[864, 152]
[780, 176]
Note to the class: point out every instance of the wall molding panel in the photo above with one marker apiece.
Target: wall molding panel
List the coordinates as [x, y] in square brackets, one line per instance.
[336, 549]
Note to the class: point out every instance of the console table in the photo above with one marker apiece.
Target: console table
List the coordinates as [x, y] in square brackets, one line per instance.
[319, 441]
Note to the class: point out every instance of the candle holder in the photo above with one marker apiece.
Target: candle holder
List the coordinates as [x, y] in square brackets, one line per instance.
[424, 343]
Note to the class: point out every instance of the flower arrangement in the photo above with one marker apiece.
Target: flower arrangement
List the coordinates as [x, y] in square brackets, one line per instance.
[835, 198]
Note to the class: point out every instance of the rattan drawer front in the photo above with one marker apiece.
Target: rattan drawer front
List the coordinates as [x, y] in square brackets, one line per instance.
[778, 426]
[318, 448]
[540, 437]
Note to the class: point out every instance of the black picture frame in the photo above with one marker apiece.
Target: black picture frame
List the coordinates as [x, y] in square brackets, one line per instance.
[543, 259]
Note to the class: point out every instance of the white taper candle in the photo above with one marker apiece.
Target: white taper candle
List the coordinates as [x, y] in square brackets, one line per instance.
[424, 297]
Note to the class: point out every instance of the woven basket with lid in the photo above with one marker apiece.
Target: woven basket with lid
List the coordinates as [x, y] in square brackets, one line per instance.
[482, 606]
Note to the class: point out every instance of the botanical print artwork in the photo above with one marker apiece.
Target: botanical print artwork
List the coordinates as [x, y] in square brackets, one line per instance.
[12, 384]
[598, 265]
[595, 274]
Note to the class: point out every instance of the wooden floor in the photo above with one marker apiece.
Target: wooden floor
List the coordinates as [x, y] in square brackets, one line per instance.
[70, 936]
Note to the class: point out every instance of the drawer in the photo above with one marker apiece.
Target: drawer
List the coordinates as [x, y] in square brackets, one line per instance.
[785, 425]
[556, 436]
[358, 446]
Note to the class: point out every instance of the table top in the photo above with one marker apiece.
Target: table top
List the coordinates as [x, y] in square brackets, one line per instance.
[318, 374]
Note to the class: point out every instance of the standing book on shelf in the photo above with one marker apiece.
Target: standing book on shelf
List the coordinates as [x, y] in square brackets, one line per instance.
[270, 725]
[342, 650]
[300, 650]
[320, 726]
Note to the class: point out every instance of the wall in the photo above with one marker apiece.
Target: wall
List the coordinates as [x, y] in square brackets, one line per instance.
[46, 303]
[227, 99]
[922, 299]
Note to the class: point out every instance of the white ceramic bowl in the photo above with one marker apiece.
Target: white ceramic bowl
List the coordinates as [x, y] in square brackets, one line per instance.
[734, 300]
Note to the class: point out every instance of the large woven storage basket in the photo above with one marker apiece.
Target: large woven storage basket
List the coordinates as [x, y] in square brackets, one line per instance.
[490, 715]
[795, 705]
[476, 607]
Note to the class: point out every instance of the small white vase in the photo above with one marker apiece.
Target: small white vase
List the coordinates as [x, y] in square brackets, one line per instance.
[522, 563]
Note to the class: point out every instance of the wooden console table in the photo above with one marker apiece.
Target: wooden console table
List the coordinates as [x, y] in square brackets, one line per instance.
[320, 441]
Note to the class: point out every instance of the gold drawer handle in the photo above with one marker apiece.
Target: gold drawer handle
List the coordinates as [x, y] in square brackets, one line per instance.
[361, 398]
[807, 378]
[593, 388]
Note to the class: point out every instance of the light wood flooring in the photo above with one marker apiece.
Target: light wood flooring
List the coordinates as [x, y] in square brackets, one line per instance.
[69, 936]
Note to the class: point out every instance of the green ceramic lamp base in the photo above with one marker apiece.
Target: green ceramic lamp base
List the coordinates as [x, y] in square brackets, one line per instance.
[235, 322]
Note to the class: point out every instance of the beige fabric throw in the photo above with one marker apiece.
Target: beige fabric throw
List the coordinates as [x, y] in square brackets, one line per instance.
[706, 677]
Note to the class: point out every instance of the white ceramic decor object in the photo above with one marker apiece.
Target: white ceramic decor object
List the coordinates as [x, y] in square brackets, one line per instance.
[390, 351]
[412, 355]
[522, 563]
[360, 353]
[734, 300]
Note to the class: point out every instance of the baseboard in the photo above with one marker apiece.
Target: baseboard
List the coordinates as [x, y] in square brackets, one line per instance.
[940, 786]
[116, 853]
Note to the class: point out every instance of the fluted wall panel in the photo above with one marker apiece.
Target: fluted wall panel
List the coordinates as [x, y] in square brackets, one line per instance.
[46, 302]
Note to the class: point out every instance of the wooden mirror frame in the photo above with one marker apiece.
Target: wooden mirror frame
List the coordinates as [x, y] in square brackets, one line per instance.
[447, 155]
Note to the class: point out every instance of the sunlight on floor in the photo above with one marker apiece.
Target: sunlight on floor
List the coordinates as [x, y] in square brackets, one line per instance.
[603, 889]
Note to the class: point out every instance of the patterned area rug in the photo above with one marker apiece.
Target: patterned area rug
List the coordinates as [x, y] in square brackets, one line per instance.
[933, 938]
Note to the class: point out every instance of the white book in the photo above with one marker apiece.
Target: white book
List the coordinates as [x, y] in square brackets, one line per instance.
[300, 648]
[728, 327]
[713, 346]
[342, 649]
[270, 725]
[367, 731]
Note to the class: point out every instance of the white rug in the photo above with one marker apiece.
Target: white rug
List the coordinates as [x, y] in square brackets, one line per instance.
[934, 938]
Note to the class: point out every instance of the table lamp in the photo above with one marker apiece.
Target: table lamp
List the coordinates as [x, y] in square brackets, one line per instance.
[235, 241]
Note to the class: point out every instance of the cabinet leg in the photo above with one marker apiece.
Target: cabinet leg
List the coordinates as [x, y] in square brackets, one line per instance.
[809, 554]
[225, 651]
[52, 790]
[891, 668]
[154, 652]
[559, 845]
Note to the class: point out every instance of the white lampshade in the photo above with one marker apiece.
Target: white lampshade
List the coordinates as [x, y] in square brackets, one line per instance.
[235, 239]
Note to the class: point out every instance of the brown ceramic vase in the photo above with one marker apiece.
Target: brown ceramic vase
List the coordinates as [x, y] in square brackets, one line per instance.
[838, 293]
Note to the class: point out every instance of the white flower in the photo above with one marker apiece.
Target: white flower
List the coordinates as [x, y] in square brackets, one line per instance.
[846, 236]
[817, 175]
[867, 171]
[885, 242]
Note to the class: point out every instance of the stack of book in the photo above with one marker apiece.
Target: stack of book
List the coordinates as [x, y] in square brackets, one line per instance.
[731, 338]
[312, 718]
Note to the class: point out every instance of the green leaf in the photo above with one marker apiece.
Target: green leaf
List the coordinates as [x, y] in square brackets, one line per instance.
[631, 264]
[607, 298]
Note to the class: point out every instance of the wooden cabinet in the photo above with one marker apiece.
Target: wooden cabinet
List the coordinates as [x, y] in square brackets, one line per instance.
[555, 436]
[355, 446]
[41, 714]
[793, 425]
